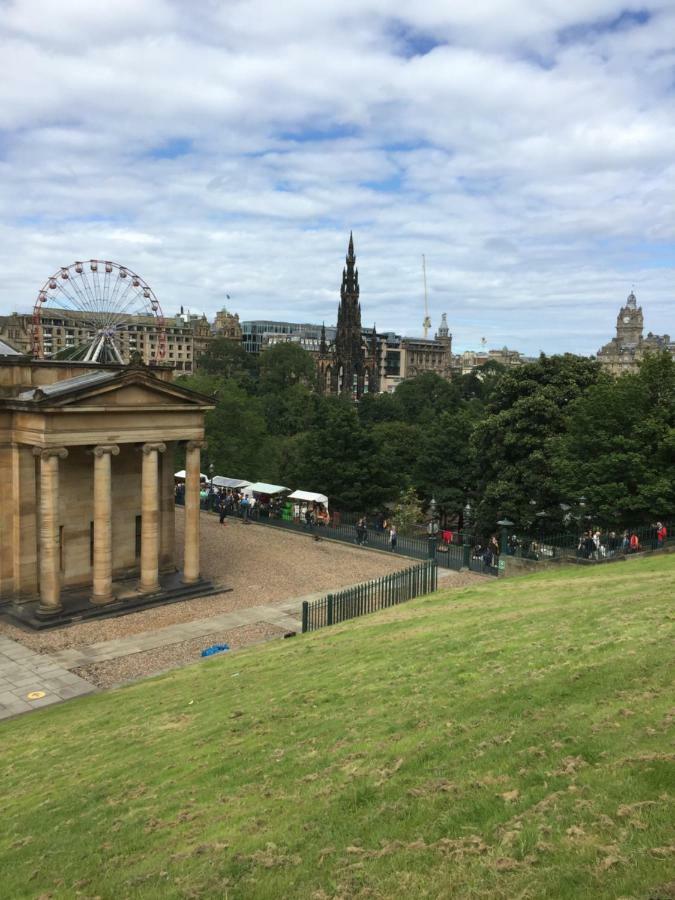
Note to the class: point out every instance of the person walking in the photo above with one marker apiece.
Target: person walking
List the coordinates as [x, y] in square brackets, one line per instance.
[361, 532]
[244, 509]
[222, 509]
[393, 538]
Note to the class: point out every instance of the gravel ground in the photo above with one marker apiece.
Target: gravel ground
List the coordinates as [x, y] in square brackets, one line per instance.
[150, 662]
[262, 566]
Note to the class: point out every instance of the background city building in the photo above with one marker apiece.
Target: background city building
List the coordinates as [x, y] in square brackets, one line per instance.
[625, 351]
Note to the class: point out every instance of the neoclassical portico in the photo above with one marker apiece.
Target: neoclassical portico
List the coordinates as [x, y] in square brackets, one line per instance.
[90, 460]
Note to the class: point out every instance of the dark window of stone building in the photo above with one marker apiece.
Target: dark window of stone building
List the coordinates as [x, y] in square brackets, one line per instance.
[138, 536]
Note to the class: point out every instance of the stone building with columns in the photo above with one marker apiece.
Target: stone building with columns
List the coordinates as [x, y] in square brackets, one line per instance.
[87, 461]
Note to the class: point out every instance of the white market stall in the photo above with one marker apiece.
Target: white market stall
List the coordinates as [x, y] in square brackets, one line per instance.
[309, 497]
[221, 481]
[260, 487]
[180, 476]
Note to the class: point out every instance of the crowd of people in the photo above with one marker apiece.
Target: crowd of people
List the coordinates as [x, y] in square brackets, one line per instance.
[593, 544]
[234, 502]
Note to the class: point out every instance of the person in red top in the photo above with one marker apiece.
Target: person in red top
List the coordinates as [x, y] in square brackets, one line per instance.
[634, 543]
[661, 534]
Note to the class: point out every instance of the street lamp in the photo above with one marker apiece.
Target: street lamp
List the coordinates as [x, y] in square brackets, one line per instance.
[504, 525]
[432, 529]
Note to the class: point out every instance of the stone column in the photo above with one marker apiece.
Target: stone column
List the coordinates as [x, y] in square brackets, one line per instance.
[102, 575]
[150, 536]
[192, 484]
[50, 576]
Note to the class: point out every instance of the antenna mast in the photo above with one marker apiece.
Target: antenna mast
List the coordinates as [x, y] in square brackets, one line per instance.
[426, 325]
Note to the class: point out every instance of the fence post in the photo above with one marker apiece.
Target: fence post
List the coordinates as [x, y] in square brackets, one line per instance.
[305, 616]
[329, 609]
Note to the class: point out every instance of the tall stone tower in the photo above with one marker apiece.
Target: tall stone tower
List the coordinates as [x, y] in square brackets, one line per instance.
[349, 366]
[629, 323]
[443, 335]
[625, 351]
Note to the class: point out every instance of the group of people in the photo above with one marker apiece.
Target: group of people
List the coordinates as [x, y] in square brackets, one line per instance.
[488, 552]
[361, 528]
[593, 544]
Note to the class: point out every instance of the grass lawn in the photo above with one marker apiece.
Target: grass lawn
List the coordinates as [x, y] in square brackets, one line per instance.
[508, 740]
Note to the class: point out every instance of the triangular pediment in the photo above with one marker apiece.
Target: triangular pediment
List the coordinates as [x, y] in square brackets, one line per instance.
[131, 389]
[133, 395]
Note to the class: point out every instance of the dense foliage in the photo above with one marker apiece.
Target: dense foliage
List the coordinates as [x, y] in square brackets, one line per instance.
[553, 441]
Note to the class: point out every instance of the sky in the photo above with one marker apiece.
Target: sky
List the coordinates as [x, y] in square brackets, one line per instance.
[527, 149]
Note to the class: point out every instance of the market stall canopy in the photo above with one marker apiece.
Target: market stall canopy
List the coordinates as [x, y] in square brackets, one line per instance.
[222, 481]
[182, 473]
[259, 487]
[309, 497]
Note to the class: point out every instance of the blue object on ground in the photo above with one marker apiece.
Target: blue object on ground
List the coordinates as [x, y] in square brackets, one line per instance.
[217, 648]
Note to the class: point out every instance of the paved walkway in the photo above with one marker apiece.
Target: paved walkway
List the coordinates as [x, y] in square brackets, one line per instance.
[29, 680]
[284, 615]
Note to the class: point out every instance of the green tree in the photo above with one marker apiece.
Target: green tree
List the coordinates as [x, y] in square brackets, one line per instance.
[398, 446]
[408, 511]
[512, 445]
[289, 411]
[285, 365]
[228, 359]
[425, 396]
[618, 449]
[376, 408]
[239, 445]
[444, 466]
[338, 457]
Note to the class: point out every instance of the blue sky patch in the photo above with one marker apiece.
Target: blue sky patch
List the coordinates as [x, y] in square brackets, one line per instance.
[409, 42]
[171, 149]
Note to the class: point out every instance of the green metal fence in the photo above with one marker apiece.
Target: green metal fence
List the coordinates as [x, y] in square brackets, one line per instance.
[370, 596]
[591, 546]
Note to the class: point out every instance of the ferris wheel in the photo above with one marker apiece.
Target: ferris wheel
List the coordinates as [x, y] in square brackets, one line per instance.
[98, 303]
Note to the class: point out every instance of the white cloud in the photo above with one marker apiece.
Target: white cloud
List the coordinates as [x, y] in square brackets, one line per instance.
[228, 148]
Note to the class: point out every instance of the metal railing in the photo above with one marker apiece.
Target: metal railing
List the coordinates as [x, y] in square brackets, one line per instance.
[370, 596]
[596, 547]
[460, 553]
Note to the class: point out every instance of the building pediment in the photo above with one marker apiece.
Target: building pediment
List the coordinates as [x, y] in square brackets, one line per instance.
[135, 388]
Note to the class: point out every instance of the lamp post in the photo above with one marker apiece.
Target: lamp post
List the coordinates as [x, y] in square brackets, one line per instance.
[504, 525]
[466, 540]
[211, 471]
[432, 529]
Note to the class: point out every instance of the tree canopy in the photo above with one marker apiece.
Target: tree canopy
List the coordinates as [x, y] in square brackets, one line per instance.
[524, 442]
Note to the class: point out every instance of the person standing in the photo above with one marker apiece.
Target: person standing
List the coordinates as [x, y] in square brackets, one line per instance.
[661, 535]
[393, 538]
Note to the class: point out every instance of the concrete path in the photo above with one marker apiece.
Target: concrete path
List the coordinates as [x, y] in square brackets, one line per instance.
[284, 615]
[29, 680]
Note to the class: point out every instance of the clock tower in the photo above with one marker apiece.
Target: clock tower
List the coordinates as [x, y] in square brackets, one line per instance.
[629, 324]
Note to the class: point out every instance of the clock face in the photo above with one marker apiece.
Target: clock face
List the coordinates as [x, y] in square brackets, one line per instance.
[626, 319]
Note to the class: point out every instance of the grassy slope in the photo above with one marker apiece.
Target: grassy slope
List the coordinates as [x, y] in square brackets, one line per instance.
[508, 740]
